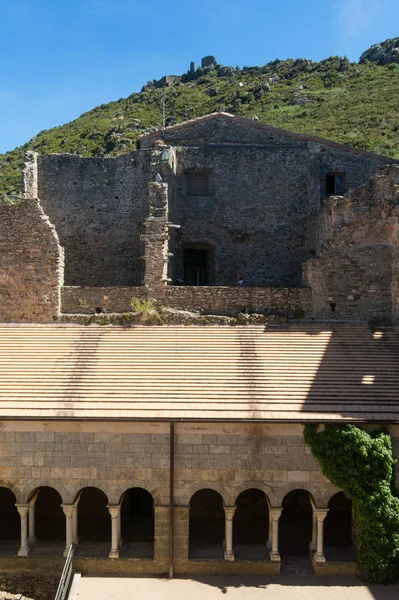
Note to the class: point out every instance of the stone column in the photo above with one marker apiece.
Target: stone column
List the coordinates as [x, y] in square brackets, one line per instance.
[228, 549]
[114, 511]
[120, 541]
[75, 537]
[275, 514]
[321, 514]
[313, 543]
[68, 512]
[269, 539]
[31, 520]
[23, 510]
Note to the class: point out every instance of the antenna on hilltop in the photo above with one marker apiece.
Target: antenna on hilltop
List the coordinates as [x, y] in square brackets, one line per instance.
[163, 112]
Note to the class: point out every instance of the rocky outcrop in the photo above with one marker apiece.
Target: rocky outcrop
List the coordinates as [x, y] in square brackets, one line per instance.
[383, 54]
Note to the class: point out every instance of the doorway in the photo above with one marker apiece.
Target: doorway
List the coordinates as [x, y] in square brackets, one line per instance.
[196, 267]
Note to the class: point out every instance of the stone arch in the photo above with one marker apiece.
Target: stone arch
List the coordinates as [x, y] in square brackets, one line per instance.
[338, 525]
[137, 523]
[253, 485]
[49, 517]
[315, 493]
[15, 489]
[251, 525]
[10, 527]
[210, 485]
[327, 495]
[78, 488]
[28, 491]
[206, 524]
[94, 520]
[116, 496]
[296, 521]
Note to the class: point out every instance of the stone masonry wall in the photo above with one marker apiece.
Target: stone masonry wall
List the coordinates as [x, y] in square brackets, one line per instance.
[208, 300]
[355, 270]
[31, 264]
[117, 456]
[226, 457]
[98, 206]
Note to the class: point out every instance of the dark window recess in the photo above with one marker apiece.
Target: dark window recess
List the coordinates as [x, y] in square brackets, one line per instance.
[195, 267]
[198, 183]
[335, 184]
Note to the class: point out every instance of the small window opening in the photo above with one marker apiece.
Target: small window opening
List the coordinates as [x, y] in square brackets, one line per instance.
[198, 183]
[335, 184]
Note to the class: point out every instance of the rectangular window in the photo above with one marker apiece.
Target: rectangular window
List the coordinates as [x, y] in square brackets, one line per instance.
[198, 183]
[335, 184]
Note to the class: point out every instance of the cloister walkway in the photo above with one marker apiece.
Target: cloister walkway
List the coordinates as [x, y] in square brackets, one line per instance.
[234, 588]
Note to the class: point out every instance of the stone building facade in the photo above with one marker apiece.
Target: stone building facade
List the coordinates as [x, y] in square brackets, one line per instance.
[180, 448]
[219, 198]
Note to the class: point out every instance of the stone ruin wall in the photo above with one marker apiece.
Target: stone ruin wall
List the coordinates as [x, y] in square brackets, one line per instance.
[261, 217]
[355, 272]
[98, 206]
[31, 264]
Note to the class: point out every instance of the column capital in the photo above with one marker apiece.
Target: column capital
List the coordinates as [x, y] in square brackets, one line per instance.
[114, 510]
[229, 512]
[275, 513]
[23, 509]
[68, 510]
[321, 513]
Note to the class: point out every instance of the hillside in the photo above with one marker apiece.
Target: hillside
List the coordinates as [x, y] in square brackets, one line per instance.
[353, 103]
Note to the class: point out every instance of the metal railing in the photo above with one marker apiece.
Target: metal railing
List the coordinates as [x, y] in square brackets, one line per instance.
[66, 575]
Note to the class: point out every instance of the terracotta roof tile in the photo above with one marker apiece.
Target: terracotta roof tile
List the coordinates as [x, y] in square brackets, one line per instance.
[318, 372]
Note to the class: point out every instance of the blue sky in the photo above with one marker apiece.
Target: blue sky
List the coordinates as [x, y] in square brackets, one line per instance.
[61, 58]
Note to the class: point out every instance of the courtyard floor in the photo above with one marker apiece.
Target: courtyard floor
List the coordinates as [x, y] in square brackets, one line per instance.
[286, 587]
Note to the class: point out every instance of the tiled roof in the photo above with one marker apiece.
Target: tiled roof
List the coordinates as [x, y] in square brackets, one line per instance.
[297, 373]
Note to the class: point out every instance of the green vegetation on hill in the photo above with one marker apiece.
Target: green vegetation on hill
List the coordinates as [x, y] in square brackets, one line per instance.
[348, 102]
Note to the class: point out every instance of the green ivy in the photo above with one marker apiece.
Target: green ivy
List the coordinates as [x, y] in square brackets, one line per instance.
[362, 465]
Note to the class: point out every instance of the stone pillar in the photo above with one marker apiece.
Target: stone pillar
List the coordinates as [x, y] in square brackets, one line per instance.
[114, 511]
[30, 175]
[313, 543]
[228, 543]
[23, 510]
[181, 518]
[321, 514]
[275, 514]
[156, 238]
[161, 533]
[68, 512]
[75, 537]
[31, 520]
[120, 541]
[269, 539]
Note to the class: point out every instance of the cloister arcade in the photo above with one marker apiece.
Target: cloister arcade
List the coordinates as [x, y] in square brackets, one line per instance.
[251, 529]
